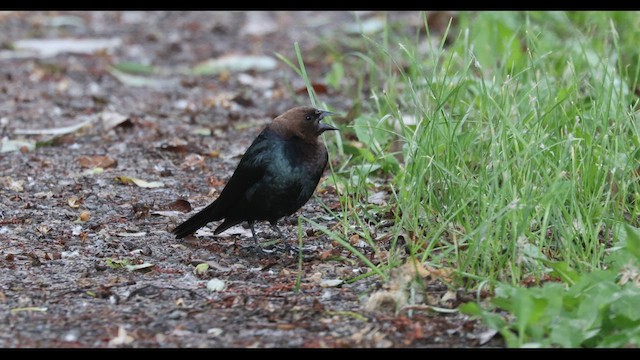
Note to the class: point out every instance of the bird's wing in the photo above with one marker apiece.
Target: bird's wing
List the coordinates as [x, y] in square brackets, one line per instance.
[250, 170]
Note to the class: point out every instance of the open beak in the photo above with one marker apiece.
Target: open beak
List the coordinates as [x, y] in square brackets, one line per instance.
[322, 126]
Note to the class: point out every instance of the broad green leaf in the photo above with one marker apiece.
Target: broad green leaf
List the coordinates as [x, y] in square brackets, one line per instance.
[633, 240]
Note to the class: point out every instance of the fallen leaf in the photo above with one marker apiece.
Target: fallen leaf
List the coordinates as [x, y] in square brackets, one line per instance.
[378, 198]
[69, 254]
[331, 282]
[201, 131]
[29, 309]
[215, 181]
[203, 232]
[112, 119]
[44, 48]
[141, 183]
[213, 332]
[93, 171]
[75, 202]
[44, 195]
[7, 145]
[134, 68]
[192, 161]
[235, 63]
[416, 269]
[96, 161]
[44, 229]
[259, 83]
[183, 148]
[179, 205]
[236, 230]
[485, 336]
[13, 185]
[138, 266]
[55, 131]
[126, 264]
[76, 230]
[136, 234]
[84, 216]
[449, 295]
[168, 213]
[216, 285]
[142, 81]
[316, 277]
[217, 266]
[201, 269]
[140, 210]
[122, 338]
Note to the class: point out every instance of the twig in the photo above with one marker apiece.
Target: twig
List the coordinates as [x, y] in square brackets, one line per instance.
[134, 292]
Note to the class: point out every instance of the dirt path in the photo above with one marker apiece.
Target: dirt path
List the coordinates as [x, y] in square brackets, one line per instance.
[86, 261]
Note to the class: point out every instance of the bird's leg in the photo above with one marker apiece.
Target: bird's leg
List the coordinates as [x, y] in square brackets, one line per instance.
[255, 239]
[287, 246]
[253, 233]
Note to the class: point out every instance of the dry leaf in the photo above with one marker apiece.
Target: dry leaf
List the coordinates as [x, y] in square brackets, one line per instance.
[201, 269]
[142, 81]
[85, 215]
[136, 234]
[141, 183]
[181, 148]
[179, 205]
[44, 48]
[331, 282]
[13, 185]
[213, 332]
[354, 240]
[378, 198]
[416, 269]
[8, 145]
[235, 63]
[75, 202]
[122, 338]
[44, 229]
[168, 213]
[216, 285]
[55, 131]
[215, 181]
[97, 161]
[112, 119]
[192, 161]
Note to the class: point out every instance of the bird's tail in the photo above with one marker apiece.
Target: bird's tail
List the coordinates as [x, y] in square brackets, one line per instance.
[202, 218]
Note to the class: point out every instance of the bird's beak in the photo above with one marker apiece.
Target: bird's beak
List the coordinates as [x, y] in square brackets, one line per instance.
[322, 126]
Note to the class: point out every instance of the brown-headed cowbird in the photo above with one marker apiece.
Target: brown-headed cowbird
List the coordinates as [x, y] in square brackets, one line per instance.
[275, 177]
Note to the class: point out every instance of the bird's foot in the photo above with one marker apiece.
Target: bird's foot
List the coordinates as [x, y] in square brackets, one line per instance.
[294, 250]
[265, 250]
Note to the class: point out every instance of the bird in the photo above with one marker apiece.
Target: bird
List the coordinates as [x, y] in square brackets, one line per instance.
[275, 177]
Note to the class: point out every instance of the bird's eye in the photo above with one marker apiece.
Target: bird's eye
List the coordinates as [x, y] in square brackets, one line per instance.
[308, 117]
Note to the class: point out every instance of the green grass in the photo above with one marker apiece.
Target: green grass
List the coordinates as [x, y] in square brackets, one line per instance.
[507, 150]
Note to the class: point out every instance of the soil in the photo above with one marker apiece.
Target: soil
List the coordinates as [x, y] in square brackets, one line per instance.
[87, 258]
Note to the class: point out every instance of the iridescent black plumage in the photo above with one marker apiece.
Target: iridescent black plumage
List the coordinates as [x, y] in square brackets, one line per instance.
[275, 177]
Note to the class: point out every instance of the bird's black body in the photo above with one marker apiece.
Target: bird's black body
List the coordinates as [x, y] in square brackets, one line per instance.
[275, 177]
